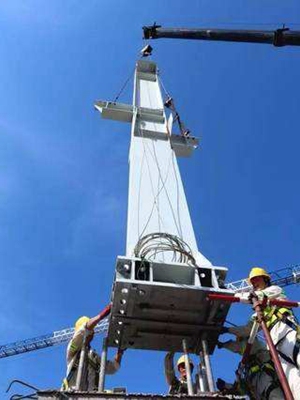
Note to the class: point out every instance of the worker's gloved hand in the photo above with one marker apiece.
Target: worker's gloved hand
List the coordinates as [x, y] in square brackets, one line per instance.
[221, 384]
[224, 329]
[252, 295]
[238, 295]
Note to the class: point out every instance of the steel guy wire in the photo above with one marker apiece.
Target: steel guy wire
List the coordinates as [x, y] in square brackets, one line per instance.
[150, 176]
[177, 193]
[177, 223]
[166, 191]
[124, 85]
[155, 200]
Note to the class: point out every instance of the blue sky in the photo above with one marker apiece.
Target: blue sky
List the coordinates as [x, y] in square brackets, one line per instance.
[64, 171]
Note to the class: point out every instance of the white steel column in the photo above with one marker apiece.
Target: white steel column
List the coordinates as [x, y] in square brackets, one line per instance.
[158, 291]
[156, 198]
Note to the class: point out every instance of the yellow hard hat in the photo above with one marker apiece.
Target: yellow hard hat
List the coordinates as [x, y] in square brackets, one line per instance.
[181, 360]
[81, 321]
[258, 271]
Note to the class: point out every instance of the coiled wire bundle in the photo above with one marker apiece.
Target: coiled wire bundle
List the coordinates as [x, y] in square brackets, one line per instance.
[149, 246]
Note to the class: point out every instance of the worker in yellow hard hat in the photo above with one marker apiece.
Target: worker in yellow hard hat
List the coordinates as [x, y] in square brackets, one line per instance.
[177, 385]
[259, 278]
[83, 335]
[281, 322]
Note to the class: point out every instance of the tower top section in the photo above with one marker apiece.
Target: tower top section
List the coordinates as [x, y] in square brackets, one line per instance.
[147, 113]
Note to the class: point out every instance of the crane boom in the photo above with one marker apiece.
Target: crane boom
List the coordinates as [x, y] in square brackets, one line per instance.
[282, 277]
[41, 342]
[279, 37]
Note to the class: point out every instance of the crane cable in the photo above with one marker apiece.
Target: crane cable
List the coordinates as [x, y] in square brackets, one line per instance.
[124, 85]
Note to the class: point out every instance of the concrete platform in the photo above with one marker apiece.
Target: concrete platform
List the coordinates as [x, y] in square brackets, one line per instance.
[53, 394]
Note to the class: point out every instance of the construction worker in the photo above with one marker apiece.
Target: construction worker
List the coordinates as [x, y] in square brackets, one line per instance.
[282, 324]
[177, 386]
[83, 336]
[259, 380]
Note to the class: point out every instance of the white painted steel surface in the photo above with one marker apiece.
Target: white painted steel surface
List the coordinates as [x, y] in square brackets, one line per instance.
[156, 198]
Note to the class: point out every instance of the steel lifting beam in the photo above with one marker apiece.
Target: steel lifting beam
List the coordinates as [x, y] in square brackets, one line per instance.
[280, 37]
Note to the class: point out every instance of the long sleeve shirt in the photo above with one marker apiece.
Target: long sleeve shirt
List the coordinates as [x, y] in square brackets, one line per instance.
[259, 349]
[272, 292]
[90, 374]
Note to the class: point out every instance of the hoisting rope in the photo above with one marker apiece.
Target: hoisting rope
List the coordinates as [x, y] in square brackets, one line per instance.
[124, 85]
[153, 243]
[169, 103]
[163, 86]
[146, 52]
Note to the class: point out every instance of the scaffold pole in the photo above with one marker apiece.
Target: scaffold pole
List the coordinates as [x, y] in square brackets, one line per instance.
[257, 306]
